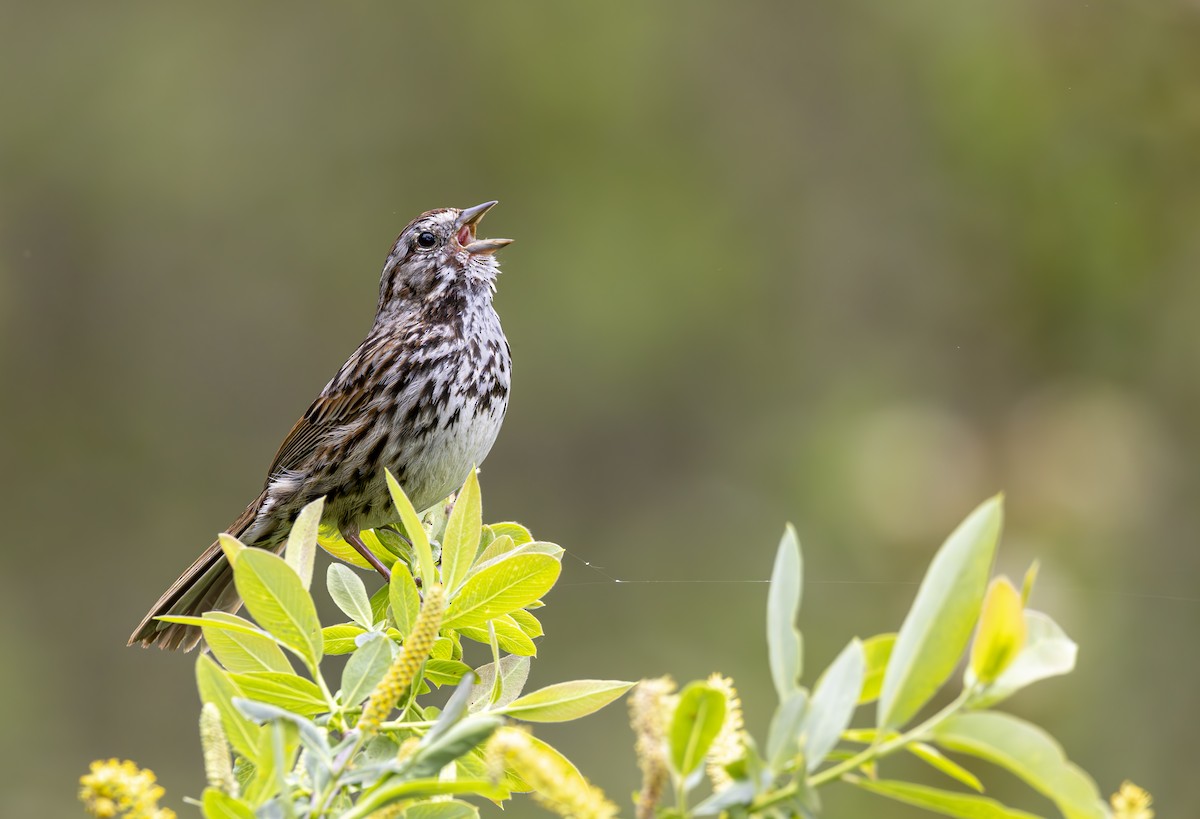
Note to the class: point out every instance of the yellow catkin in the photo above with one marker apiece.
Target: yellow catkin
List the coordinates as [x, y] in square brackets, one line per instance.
[556, 786]
[404, 668]
[218, 767]
[729, 746]
[650, 705]
[122, 789]
[1131, 802]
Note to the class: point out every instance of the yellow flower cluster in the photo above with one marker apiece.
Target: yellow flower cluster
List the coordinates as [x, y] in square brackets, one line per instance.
[407, 664]
[650, 708]
[115, 789]
[1131, 802]
[729, 746]
[556, 784]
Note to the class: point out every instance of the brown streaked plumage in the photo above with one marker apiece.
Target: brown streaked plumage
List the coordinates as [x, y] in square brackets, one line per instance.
[423, 395]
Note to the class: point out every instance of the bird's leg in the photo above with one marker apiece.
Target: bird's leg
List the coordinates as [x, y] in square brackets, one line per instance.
[354, 540]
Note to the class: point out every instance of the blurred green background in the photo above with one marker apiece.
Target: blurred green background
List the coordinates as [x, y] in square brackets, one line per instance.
[857, 265]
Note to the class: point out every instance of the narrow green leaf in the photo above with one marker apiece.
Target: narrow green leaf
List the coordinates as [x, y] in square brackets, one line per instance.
[783, 605]
[1048, 652]
[877, 650]
[301, 549]
[349, 594]
[783, 734]
[527, 623]
[231, 546]
[273, 594]
[501, 545]
[404, 599]
[932, 756]
[365, 668]
[461, 540]
[1027, 751]
[441, 810]
[217, 687]
[340, 639]
[569, 700]
[939, 624]
[445, 672]
[519, 534]
[416, 531]
[947, 803]
[832, 705]
[210, 619]
[219, 805]
[289, 691]
[394, 790]
[697, 721]
[511, 584]
[509, 636]
[242, 651]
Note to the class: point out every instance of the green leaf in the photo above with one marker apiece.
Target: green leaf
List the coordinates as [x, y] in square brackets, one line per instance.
[296, 694]
[832, 705]
[445, 672]
[1001, 632]
[301, 549]
[783, 605]
[939, 624]
[500, 546]
[569, 700]
[365, 668]
[217, 687]
[509, 636]
[519, 534]
[783, 735]
[1027, 751]
[412, 526]
[949, 767]
[275, 597]
[216, 620]
[877, 650]
[462, 535]
[514, 671]
[339, 639]
[947, 803]
[527, 623]
[243, 651]
[511, 584]
[441, 810]
[231, 546]
[404, 598]
[1048, 652]
[394, 791]
[349, 594]
[697, 721]
[314, 738]
[220, 805]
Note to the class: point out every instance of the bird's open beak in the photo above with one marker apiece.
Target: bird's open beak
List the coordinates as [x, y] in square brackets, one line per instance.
[465, 225]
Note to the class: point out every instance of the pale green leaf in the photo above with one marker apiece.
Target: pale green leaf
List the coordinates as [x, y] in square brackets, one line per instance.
[514, 671]
[832, 704]
[349, 594]
[243, 650]
[1001, 633]
[365, 668]
[211, 619]
[289, 691]
[527, 623]
[273, 594]
[519, 534]
[404, 599]
[938, 625]
[783, 734]
[933, 757]
[461, 540]
[510, 584]
[1027, 751]
[217, 687]
[877, 650]
[445, 672]
[783, 605]
[441, 810]
[695, 724]
[501, 545]
[947, 803]
[566, 701]
[301, 549]
[509, 636]
[231, 546]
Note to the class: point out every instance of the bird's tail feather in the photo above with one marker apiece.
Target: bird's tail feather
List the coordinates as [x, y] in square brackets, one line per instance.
[206, 585]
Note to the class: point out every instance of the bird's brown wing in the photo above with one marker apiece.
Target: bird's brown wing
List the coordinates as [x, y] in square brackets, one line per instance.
[338, 402]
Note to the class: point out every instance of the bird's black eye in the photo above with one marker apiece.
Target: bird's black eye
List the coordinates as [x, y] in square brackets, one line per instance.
[426, 240]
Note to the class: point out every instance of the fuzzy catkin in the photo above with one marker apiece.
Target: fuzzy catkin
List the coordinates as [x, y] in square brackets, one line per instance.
[404, 668]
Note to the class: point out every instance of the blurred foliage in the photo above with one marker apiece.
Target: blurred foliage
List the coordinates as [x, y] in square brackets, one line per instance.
[855, 263]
